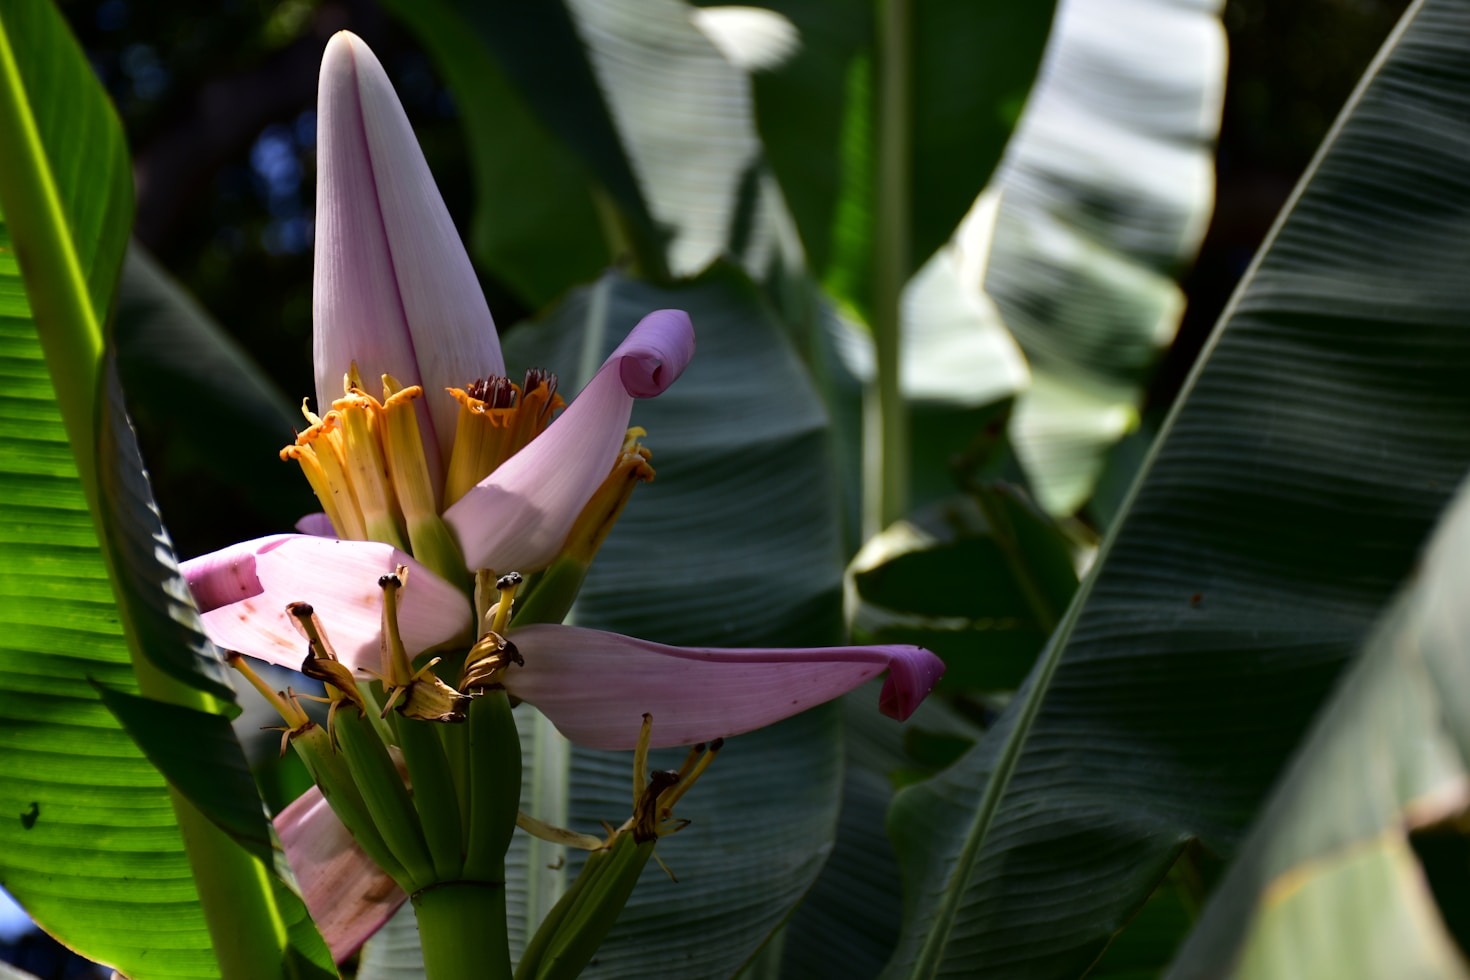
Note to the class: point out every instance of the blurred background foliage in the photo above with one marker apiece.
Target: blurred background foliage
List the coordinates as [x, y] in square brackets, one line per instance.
[218, 104]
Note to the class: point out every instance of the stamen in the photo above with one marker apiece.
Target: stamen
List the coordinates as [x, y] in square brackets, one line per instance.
[404, 446]
[606, 504]
[686, 782]
[321, 662]
[538, 401]
[305, 617]
[649, 814]
[368, 471]
[489, 659]
[497, 418]
[485, 596]
[283, 701]
[319, 450]
[412, 483]
[664, 867]
[415, 694]
[557, 835]
[506, 585]
[397, 671]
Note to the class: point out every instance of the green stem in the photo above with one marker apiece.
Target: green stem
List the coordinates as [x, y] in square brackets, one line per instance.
[245, 926]
[569, 937]
[462, 930]
[891, 257]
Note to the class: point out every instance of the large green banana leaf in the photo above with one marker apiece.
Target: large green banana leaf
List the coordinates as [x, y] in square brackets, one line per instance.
[92, 848]
[1288, 496]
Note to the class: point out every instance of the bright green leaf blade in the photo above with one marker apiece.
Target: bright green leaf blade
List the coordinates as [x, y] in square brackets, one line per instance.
[1286, 499]
[190, 763]
[535, 227]
[92, 847]
[1327, 884]
[94, 851]
[1104, 197]
[717, 550]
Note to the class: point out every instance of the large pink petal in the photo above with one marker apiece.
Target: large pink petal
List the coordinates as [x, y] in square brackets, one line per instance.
[345, 892]
[243, 591]
[595, 686]
[517, 518]
[394, 287]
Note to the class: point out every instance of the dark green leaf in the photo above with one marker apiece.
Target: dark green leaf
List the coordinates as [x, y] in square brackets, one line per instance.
[735, 544]
[972, 66]
[146, 578]
[200, 404]
[1285, 500]
[546, 59]
[535, 227]
[980, 580]
[849, 921]
[1329, 883]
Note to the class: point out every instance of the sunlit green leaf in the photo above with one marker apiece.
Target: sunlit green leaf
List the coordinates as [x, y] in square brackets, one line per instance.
[92, 847]
[98, 857]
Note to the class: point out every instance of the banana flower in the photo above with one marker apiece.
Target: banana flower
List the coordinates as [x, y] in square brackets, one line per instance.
[458, 470]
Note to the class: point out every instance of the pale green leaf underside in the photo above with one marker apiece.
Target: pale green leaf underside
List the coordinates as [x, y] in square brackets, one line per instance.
[1104, 196]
